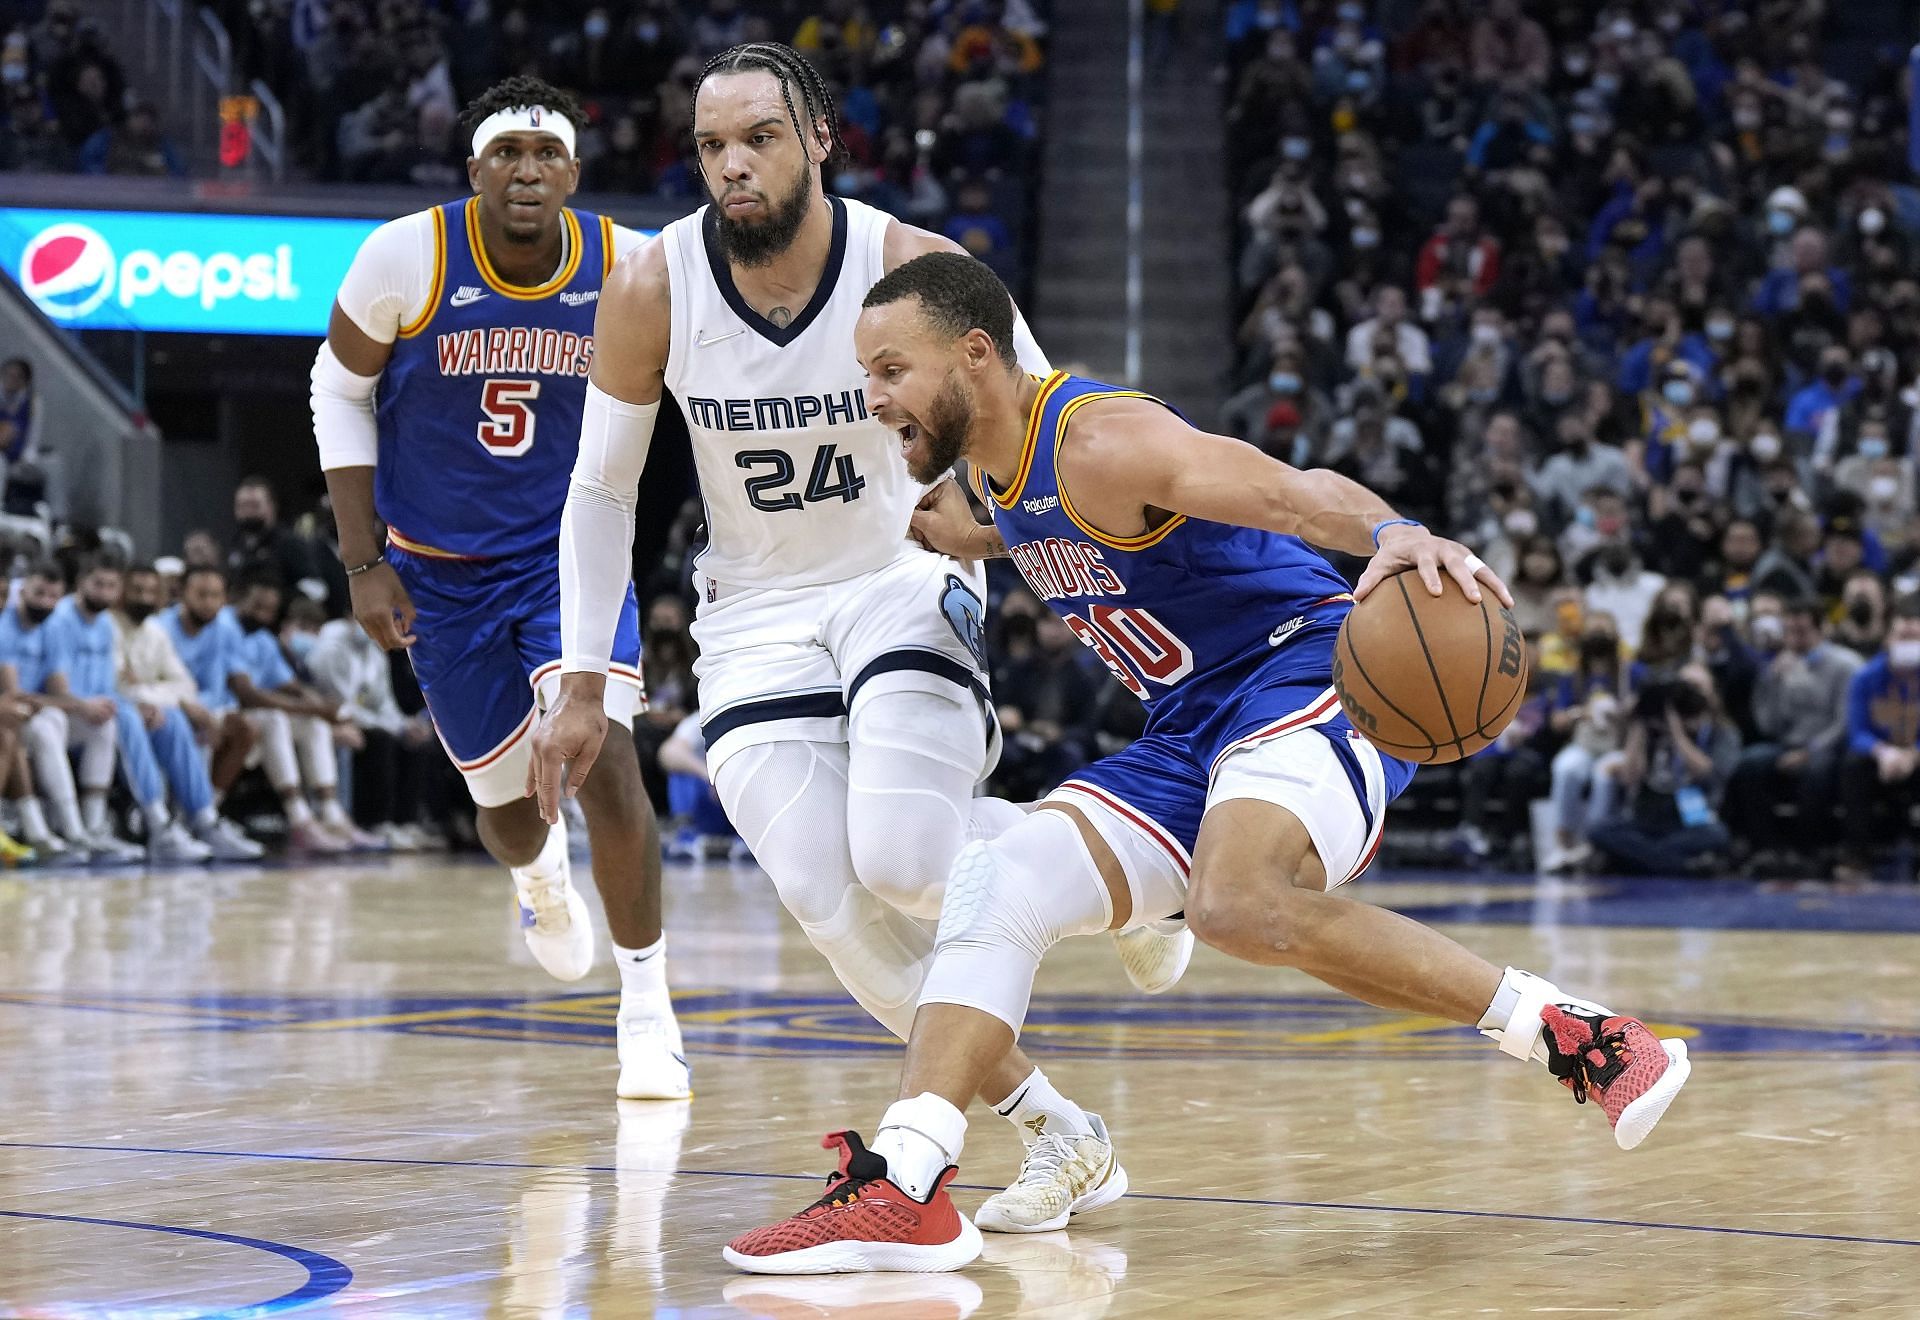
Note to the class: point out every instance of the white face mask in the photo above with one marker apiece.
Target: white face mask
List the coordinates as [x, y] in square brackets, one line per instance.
[1904, 655]
[1703, 431]
[1883, 489]
[1765, 446]
[1521, 522]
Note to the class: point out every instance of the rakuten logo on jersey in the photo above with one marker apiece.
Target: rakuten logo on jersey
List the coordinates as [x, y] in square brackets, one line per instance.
[70, 270]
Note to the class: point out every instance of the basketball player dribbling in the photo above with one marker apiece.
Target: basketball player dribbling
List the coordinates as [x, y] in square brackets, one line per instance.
[842, 673]
[1187, 567]
[446, 406]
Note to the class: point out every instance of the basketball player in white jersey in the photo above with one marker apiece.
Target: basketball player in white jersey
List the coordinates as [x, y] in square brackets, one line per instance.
[842, 685]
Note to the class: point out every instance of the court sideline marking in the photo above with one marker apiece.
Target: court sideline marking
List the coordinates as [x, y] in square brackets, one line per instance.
[1251, 1202]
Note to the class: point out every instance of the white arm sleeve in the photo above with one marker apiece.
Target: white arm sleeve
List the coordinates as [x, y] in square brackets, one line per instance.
[596, 528]
[1026, 348]
[387, 285]
[343, 421]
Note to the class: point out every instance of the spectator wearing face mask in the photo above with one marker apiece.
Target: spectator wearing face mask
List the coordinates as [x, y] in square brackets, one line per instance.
[1581, 466]
[1389, 320]
[1883, 741]
[1880, 477]
[1800, 710]
[1682, 536]
[1666, 415]
[1862, 625]
[1537, 575]
[1273, 413]
[1586, 709]
[1810, 405]
[1622, 589]
[1678, 753]
[1730, 660]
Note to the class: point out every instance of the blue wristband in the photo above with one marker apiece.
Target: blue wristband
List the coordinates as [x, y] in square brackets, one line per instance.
[1392, 522]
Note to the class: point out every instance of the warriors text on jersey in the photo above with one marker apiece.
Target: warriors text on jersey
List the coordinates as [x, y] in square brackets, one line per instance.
[1181, 613]
[801, 486]
[479, 407]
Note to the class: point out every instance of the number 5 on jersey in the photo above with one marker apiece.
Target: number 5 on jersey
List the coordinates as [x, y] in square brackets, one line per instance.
[508, 430]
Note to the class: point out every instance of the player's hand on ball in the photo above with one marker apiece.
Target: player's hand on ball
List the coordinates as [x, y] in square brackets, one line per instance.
[382, 607]
[564, 749]
[1406, 547]
[943, 522]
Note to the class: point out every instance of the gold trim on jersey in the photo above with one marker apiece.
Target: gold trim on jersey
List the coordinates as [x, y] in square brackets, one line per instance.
[560, 281]
[419, 322]
[1011, 495]
[402, 542]
[606, 246]
[1140, 542]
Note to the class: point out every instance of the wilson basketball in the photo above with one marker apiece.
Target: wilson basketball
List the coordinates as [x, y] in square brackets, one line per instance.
[1429, 678]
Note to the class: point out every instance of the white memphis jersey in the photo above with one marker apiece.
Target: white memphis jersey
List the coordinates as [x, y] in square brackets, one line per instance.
[801, 485]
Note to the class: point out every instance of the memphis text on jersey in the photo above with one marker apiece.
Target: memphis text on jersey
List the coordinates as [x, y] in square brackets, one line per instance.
[1057, 568]
[779, 412]
[514, 350]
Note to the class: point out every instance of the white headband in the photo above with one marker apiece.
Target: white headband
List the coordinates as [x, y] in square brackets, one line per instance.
[523, 119]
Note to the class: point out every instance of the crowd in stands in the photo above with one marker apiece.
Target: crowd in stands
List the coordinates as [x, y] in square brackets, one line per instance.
[1624, 296]
[69, 107]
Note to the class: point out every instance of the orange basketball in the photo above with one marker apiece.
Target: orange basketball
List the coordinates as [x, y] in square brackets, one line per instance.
[1429, 678]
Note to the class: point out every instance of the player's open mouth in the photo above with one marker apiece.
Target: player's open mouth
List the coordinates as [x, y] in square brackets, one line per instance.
[908, 433]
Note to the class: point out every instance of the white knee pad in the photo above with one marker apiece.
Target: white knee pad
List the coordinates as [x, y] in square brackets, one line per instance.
[1007, 903]
[789, 802]
[913, 759]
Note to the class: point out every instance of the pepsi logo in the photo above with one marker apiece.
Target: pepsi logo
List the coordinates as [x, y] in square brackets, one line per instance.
[68, 270]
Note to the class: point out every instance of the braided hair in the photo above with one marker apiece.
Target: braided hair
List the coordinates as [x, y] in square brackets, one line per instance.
[790, 69]
[521, 90]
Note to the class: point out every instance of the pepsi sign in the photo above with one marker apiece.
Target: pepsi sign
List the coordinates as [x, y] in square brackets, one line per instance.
[215, 274]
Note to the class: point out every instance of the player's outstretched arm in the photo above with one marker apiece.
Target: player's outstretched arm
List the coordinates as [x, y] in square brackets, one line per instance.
[630, 334]
[1127, 456]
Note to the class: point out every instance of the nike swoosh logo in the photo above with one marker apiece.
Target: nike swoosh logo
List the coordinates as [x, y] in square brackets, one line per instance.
[717, 339]
[462, 299]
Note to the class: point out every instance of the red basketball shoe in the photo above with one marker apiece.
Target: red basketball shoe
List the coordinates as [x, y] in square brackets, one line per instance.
[863, 1223]
[1632, 1072]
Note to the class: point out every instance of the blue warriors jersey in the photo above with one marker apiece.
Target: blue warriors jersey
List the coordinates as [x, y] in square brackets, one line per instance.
[479, 407]
[1182, 613]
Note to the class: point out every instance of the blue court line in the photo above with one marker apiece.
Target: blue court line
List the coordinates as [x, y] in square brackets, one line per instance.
[325, 1275]
[1257, 1202]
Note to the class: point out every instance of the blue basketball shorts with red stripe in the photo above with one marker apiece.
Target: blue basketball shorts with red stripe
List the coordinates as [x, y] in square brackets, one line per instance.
[488, 659]
[1278, 736]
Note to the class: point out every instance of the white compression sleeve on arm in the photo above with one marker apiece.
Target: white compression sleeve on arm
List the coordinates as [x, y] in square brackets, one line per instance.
[343, 423]
[596, 530]
[1026, 348]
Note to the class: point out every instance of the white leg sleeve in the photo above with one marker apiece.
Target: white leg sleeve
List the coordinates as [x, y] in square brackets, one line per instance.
[789, 802]
[275, 749]
[314, 739]
[96, 744]
[1007, 903]
[913, 759]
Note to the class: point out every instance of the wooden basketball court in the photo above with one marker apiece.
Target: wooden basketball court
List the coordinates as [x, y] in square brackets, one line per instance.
[287, 1091]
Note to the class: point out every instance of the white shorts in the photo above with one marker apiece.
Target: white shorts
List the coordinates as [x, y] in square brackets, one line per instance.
[1299, 771]
[785, 664]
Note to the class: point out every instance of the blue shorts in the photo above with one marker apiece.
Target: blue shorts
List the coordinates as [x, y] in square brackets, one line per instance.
[489, 643]
[1162, 784]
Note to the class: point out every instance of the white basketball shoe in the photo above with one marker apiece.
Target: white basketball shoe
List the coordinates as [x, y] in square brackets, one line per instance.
[1155, 956]
[1062, 1176]
[553, 916]
[653, 1062]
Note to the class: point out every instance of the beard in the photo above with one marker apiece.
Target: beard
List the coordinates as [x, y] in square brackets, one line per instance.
[943, 432]
[753, 243]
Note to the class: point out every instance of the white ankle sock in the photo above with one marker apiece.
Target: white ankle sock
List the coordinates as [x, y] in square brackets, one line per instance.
[643, 974]
[551, 857]
[1513, 1018]
[920, 1138]
[157, 818]
[333, 815]
[93, 812]
[298, 812]
[206, 818]
[1036, 1107]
